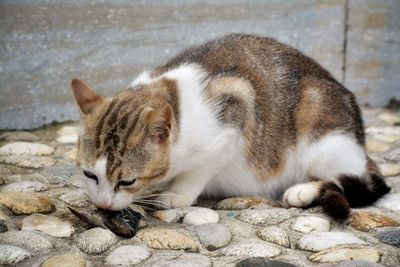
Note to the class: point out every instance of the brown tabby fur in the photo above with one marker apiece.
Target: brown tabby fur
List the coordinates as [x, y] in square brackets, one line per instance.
[291, 95]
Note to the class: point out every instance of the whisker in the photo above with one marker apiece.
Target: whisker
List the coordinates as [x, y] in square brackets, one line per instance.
[160, 194]
[151, 203]
[159, 203]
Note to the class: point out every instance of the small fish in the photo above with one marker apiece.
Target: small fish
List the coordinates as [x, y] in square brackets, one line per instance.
[123, 223]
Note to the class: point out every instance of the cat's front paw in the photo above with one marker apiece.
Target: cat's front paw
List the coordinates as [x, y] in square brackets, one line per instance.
[171, 199]
[301, 195]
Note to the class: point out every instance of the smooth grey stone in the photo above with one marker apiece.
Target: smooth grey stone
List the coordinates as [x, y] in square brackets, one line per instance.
[213, 235]
[261, 262]
[356, 264]
[391, 236]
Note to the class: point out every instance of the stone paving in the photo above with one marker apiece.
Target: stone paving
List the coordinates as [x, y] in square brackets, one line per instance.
[38, 181]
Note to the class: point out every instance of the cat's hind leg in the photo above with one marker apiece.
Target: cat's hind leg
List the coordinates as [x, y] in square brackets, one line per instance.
[347, 177]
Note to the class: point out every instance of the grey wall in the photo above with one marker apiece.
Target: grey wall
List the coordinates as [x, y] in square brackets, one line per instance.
[106, 43]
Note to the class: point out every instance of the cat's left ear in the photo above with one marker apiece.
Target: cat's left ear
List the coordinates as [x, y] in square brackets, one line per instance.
[85, 97]
[160, 125]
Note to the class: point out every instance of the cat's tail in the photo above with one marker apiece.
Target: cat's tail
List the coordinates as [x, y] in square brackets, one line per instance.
[336, 198]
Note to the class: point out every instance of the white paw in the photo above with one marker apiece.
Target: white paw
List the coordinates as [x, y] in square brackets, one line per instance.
[301, 195]
[171, 199]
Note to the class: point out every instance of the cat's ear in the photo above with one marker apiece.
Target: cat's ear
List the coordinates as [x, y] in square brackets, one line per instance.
[85, 97]
[159, 126]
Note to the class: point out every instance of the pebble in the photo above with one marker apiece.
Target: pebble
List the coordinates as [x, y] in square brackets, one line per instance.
[49, 179]
[24, 186]
[23, 203]
[77, 180]
[213, 235]
[162, 257]
[68, 139]
[96, 240]
[357, 264]
[47, 224]
[3, 226]
[60, 173]
[250, 248]
[390, 236]
[19, 136]
[365, 221]
[374, 130]
[34, 177]
[201, 216]
[189, 215]
[164, 238]
[389, 118]
[4, 213]
[317, 241]
[76, 198]
[187, 260]
[172, 215]
[68, 130]
[389, 169]
[393, 155]
[389, 201]
[389, 138]
[374, 145]
[241, 203]
[34, 162]
[26, 148]
[26, 239]
[260, 217]
[308, 224]
[65, 261]
[346, 253]
[12, 255]
[261, 262]
[127, 255]
[274, 235]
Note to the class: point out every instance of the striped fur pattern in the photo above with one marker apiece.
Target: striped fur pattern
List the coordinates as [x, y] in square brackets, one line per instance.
[239, 115]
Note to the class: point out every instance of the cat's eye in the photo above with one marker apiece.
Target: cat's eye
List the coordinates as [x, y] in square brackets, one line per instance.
[126, 183]
[91, 176]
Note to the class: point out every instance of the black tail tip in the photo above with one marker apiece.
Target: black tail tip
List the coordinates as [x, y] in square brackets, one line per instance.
[361, 193]
[333, 202]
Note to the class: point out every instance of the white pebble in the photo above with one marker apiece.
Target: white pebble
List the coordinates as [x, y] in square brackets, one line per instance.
[127, 255]
[307, 224]
[12, 255]
[24, 186]
[26, 148]
[317, 241]
[201, 216]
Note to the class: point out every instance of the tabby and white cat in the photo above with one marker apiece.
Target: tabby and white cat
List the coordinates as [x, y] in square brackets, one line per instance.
[241, 115]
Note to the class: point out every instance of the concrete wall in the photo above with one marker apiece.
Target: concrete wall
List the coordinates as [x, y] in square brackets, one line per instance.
[107, 43]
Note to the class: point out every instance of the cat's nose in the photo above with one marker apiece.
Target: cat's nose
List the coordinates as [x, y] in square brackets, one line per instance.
[104, 204]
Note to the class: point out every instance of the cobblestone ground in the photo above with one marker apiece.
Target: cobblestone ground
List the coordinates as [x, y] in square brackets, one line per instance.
[38, 181]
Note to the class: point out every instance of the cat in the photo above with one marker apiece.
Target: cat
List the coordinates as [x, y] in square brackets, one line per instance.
[241, 115]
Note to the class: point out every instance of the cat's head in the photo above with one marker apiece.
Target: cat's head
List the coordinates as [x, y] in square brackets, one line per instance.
[124, 145]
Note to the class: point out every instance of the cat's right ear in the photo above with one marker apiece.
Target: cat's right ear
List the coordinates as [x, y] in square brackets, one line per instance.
[85, 97]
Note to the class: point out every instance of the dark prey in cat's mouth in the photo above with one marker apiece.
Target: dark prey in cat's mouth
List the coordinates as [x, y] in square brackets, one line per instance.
[124, 223]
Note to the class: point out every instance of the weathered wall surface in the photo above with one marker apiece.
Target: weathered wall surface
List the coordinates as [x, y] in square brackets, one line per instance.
[107, 43]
